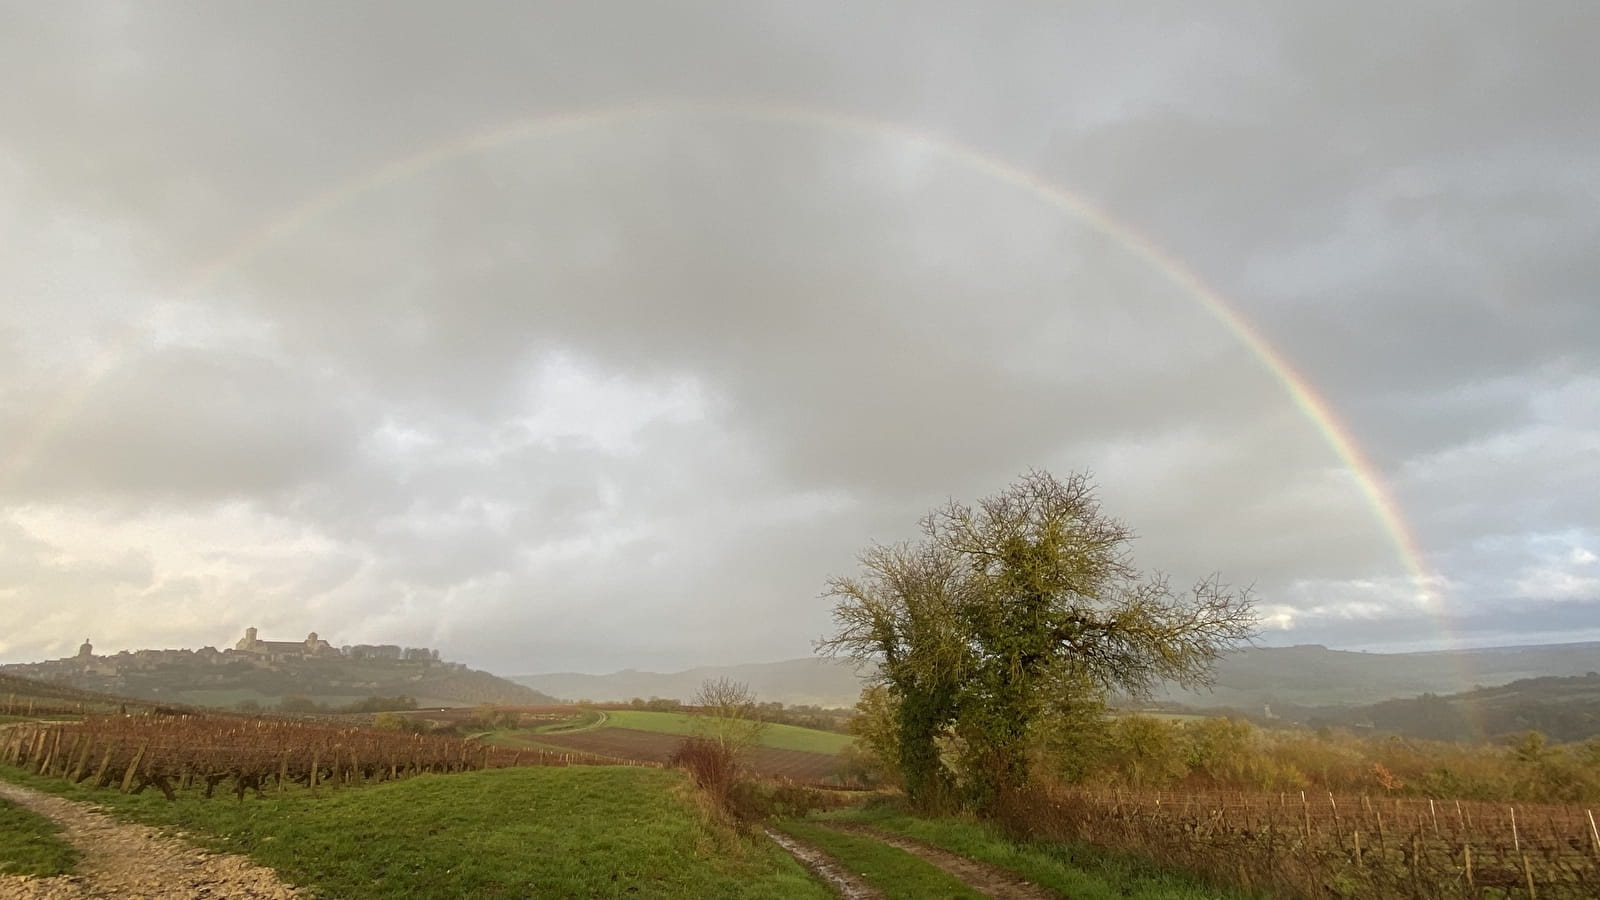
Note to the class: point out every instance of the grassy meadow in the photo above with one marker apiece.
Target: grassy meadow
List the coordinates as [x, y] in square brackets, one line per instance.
[581, 831]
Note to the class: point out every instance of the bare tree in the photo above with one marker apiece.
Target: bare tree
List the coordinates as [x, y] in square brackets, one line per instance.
[725, 711]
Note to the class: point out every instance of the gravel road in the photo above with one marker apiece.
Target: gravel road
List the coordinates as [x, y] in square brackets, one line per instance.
[134, 861]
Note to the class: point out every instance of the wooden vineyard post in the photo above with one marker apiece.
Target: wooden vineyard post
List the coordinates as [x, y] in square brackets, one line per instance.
[81, 767]
[65, 759]
[1516, 844]
[1466, 858]
[25, 743]
[283, 772]
[314, 760]
[50, 755]
[1357, 838]
[133, 767]
[101, 772]
[1594, 833]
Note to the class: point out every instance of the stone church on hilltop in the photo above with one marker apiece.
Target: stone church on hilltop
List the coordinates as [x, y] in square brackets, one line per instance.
[312, 646]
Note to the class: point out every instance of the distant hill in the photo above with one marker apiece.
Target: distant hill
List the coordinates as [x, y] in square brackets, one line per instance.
[226, 678]
[795, 682]
[1563, 708]
[1282, 677]
[1313, 675]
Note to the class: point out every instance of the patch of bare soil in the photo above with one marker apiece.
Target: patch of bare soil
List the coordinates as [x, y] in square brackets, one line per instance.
[826, 867]
[991, 881]
[126, 861]
[655, 746]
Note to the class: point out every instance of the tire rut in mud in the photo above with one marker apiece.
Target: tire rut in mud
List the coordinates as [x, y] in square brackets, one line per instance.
[826, 867]
[991, 881]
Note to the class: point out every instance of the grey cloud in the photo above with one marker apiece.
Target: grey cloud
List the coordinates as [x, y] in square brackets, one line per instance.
[1397, 197]
[183, 423]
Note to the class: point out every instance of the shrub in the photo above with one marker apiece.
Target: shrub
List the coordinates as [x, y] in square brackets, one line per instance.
[711, 764]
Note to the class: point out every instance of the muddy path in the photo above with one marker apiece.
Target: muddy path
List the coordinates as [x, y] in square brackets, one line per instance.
[124, 860]
[991, 881]
[826, 867]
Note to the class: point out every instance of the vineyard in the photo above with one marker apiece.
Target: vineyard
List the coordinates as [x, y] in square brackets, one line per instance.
[182, 753]
[28, 698]
[1325, 846]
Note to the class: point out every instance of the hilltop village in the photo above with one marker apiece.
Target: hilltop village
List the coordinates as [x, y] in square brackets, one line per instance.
[261, 671]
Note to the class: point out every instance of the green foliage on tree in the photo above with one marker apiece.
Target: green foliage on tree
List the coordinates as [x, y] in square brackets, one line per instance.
[901, 614]
[1008, 612]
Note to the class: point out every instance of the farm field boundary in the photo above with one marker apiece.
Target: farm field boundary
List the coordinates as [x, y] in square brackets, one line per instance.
[776, 736]
[656, 747]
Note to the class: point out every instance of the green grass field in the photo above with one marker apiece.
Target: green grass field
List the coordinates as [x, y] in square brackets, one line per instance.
[781, 737]
[531, 832]
[30, 844]
[1080, 872]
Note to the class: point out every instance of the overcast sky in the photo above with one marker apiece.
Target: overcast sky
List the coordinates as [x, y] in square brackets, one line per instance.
[624, 390]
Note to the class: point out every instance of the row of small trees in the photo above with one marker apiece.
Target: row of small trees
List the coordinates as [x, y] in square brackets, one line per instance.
[1021, 610]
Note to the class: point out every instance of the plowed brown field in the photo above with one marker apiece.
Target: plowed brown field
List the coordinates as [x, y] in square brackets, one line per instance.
[653, 746]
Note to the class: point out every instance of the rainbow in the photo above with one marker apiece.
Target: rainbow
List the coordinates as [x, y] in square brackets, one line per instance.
[1305, 397]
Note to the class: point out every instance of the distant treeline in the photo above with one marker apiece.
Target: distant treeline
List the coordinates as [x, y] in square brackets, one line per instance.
[801, 716]
[297, 704]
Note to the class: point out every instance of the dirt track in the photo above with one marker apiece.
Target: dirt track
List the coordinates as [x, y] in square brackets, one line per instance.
[134, 861]
[991, 881]
[826, 867]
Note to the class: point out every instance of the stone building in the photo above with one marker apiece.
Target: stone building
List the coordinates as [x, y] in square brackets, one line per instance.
[310, 647]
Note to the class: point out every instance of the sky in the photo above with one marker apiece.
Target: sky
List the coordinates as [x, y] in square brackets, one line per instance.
[594, 336]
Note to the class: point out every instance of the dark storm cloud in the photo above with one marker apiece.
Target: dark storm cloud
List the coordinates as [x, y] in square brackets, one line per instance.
[775, 342]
